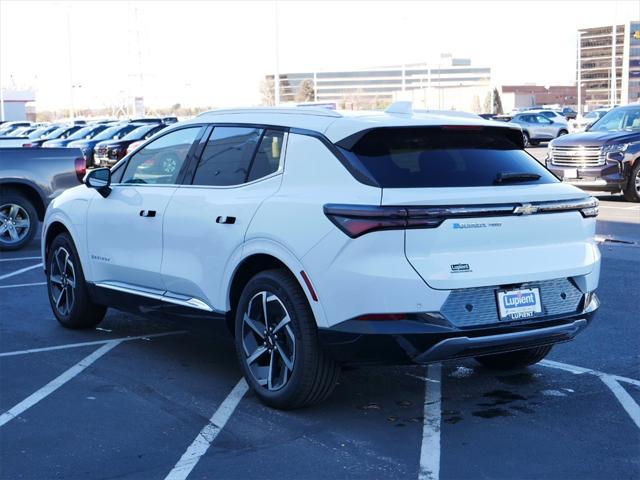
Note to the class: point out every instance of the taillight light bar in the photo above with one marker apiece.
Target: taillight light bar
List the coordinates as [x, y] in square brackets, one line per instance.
[357, 220]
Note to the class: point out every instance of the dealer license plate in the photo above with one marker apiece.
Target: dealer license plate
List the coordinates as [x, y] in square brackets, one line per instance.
[518, 304]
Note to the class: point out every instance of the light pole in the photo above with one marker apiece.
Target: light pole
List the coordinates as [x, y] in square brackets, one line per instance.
[73, 113]
[277, 75]
[579, 79]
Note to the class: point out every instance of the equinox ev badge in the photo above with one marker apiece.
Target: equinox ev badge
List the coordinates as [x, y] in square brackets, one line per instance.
[460, 268]
[526, 209]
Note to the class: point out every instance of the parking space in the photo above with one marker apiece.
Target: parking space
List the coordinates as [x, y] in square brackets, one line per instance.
[161, 398]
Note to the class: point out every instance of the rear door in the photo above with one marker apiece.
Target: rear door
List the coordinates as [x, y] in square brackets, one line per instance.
[547, 127]
[475, 179]
[124, 230]
[206, 222]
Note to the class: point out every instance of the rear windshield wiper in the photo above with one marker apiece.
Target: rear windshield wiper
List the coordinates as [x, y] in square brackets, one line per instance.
[506, 177]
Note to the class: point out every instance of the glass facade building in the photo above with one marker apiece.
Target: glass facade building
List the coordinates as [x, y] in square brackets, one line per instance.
[374, 86]
[596, 56]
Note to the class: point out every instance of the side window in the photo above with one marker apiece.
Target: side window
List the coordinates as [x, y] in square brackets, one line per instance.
[542, 119]
[227, 156]
[267, 159]
[161, 160]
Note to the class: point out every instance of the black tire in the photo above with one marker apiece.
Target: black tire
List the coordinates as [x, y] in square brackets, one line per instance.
[526, 139]
[23, 211]
[516, 359]
[562, 132]
[314, 373]
[631, 193]
[73, 308]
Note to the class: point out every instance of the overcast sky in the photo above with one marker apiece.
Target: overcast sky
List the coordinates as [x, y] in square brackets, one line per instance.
[215, 53]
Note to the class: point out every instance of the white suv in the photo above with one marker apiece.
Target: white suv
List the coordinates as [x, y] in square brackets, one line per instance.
[327, 239]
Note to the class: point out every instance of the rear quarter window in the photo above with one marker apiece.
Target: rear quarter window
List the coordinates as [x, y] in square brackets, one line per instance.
[439, 157]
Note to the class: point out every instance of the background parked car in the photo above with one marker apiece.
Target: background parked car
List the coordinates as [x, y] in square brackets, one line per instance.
[62, 132]
[23, 131]
[553, 115]
[41, 132]
[108, 152]
[581, 124]
[7, 127]
[85, 133]
[29, 180]
[114, 132]
[536, 127]
[569, 113]
[604, 158]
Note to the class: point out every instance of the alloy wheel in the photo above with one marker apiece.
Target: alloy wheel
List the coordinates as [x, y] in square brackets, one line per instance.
[637, 180]
[62, 281]
[14, 223]
[268, 341]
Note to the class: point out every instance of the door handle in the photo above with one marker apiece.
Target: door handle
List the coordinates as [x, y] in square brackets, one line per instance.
[226, 220]
[147, 213]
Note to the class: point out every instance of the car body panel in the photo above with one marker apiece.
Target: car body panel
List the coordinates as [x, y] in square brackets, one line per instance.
[184, 251]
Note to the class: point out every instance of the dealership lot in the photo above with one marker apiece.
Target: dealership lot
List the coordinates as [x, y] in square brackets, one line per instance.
[141, 398]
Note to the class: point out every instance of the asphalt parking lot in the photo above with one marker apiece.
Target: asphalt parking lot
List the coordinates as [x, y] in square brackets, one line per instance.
[141, 398]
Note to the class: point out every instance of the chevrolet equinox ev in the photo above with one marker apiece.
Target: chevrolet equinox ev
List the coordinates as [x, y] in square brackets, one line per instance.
[326, 239]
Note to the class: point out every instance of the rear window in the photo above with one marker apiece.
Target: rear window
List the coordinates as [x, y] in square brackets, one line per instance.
[440, 157]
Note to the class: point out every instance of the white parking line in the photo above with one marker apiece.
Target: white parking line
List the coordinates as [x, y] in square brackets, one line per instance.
[627, 402]
[19, 259]
[208, 434]
[580, 370]
[430, 449]
[18, 272]
[86, 344]
[56, 383]
[16, 285]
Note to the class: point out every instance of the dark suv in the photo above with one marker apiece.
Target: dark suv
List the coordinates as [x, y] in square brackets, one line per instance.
[606, 157]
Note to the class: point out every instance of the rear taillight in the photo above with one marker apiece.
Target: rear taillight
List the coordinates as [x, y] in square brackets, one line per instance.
[81, 168]
[27, 145]
[356, 220]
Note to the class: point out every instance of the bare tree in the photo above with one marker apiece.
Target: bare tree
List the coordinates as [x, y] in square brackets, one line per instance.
[306, 91]
[497, 102]
[268, 91]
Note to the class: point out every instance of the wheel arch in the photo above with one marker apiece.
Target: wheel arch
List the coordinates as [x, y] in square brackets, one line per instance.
[257, 258]
[29, 190]
[52, 228]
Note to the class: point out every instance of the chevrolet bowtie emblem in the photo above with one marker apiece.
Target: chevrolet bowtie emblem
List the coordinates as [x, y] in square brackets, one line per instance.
[526, 209]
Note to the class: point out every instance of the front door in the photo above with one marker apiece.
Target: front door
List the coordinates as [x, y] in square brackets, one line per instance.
[206, 222]
[124, 230]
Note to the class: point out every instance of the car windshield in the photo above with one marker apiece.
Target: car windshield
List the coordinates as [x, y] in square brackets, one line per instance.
[56, 133]
[139, 133]
[87, 132]
[19, 132]
[115, 132]
[40, 132]
[591, 115]
[619, 119]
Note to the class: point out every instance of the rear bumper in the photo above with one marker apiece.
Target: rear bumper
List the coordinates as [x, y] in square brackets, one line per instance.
[465, 346]
[412, 342]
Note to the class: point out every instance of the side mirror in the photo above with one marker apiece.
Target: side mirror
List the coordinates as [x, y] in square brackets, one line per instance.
[100, 179]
